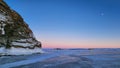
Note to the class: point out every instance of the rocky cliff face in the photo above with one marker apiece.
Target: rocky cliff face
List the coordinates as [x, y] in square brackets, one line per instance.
[14, 32]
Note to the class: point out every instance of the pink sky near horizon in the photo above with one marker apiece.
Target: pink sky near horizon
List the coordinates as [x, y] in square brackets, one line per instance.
[77, 41]
[46, 43]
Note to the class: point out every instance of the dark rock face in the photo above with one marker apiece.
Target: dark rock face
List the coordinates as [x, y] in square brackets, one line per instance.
[14, 32]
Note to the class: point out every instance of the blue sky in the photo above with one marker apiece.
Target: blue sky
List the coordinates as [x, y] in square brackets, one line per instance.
[74, 23]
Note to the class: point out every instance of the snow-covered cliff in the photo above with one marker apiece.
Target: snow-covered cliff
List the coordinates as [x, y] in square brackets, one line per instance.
[15, 33]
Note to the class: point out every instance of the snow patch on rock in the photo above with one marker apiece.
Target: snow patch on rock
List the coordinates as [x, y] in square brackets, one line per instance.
[22, 44]
[2, 17]
[2, 25]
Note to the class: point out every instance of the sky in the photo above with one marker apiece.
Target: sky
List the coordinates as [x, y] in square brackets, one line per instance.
[72, 23]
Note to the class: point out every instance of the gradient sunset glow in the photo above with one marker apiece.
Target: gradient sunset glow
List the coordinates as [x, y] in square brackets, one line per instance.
[72, 23]
[81, 43]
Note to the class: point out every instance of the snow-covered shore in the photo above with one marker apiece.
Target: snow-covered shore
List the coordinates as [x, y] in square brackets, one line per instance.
[19, 51]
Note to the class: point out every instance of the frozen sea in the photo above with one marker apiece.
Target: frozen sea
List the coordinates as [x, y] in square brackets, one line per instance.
[65, 58]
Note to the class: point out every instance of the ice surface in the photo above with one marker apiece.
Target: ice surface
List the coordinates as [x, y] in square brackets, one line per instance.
[83, 58]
